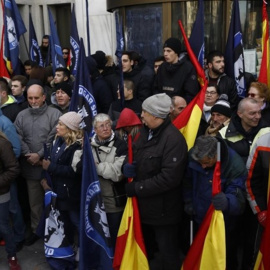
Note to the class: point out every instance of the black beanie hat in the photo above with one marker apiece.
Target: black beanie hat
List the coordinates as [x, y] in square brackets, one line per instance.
[100, 59]
[64, 86]
[222, 106]
[174, 44]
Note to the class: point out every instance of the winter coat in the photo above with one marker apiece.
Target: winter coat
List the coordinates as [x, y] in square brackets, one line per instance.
[160, 166]
[109, 159]
[9, 166]
[198, 184]
[178, 79]
[66, 173]
[35, 127]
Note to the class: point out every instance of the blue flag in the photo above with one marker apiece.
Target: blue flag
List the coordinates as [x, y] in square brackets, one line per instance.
[82, 100]
[118, 53]
[234, 55]
[96, 251]
[196, 39]
[34, 51]
[74, 44]
[14, 29]
[56, 50]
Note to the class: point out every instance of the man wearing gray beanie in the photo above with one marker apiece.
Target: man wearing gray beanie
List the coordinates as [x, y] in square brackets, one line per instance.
[160, 156]
[176, 76]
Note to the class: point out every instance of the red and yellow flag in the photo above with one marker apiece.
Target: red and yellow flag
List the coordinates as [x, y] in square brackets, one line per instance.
[208, 250]
[130, 252]
[189, 120]
[263, 258]
[264, 75]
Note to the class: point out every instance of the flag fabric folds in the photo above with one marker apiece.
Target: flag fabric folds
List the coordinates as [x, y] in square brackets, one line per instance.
[196, 39]
[14, 29]
[34, 50]
[264, 75]
[96, 251]
[82, 100]
[234, 52]
[208, 250]
[56, 50]
[74, 44]
[3, 70]
[189, 119]
[130, 252]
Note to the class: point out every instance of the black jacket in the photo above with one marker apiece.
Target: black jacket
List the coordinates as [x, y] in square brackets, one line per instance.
[177, 79]
[160, 169]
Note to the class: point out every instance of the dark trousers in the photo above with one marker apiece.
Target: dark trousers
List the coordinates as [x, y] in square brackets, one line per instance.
[162, 246]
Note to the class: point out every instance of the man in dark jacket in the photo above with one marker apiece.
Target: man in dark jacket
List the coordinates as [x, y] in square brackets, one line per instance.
[176, 76]
[198, 188]
[216, 75]
[160, 155]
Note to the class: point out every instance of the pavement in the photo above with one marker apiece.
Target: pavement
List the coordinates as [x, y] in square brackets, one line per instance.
[30, 258]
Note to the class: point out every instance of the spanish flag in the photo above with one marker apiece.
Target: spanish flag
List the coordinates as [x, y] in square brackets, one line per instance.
[264, 75]
[130, 252]
[263, 258]
[189, 120]
[208, 250]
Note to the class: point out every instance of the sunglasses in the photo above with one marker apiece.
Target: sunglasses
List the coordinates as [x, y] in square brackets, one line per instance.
[65, 52]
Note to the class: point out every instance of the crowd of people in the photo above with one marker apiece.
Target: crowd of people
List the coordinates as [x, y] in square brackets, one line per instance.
[172, 185]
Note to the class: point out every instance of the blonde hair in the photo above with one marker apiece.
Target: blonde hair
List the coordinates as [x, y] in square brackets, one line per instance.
[135, 130]
[73, 136]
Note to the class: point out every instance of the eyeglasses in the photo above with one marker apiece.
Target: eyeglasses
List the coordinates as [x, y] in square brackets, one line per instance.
[65, 52]
[103, 126]
[252, 95]
[211, 93]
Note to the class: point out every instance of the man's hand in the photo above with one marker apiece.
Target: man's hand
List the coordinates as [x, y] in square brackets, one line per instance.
[45, 164]
[262, 216]
[129, 170]
[220, 201]
[33, 158]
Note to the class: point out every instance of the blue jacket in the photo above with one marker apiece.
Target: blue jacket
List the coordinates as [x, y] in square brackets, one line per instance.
[198, 184]
[7, 127]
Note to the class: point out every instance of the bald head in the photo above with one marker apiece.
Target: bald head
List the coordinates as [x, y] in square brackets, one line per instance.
[178, 105]
[35, 96]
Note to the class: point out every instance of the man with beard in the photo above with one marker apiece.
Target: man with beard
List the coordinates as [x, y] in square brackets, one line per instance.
[215, 74]
[176, 76]
[44, 49]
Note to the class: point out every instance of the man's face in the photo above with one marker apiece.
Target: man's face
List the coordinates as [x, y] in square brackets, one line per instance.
[218, 119]
[62, 98]
[211, 96]
[250, 116]
[65, 54]
[148, 119]
[59, 77]
[16, 88]
[103, 129]
[179, 105]
[27, 70]
[126, 63]
[170, 56]
[127, 93]
[35, 96]
[45, 42]
[217, 65]
[207, 162]
[156, 65]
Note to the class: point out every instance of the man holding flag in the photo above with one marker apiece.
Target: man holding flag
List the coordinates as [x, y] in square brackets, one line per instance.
[160, 155]
[198, 188]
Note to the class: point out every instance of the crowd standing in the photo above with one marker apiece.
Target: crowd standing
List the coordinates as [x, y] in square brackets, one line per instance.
[172, 185]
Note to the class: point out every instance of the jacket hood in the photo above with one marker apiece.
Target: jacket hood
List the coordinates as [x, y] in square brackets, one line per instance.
[128, 118]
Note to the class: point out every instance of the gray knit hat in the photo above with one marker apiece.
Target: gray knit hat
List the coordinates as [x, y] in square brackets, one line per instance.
[222, 106]
[158, 105]
[71, 119]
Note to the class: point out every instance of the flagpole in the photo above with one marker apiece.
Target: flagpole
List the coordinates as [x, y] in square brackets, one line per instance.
[27, 50]
[87, 29]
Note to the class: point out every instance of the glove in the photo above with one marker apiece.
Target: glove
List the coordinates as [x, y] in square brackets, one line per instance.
[130, 189]
[220, 201]
[129, 170]
[188, 208]
[262, 216]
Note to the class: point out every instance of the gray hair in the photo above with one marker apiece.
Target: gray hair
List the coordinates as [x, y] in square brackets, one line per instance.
[205, 146]
[242, 104]
[101, 117]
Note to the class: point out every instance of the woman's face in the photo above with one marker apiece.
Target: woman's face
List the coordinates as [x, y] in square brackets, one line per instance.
[61, 129]
[103, 130]
[211, 96]
[254, 93]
